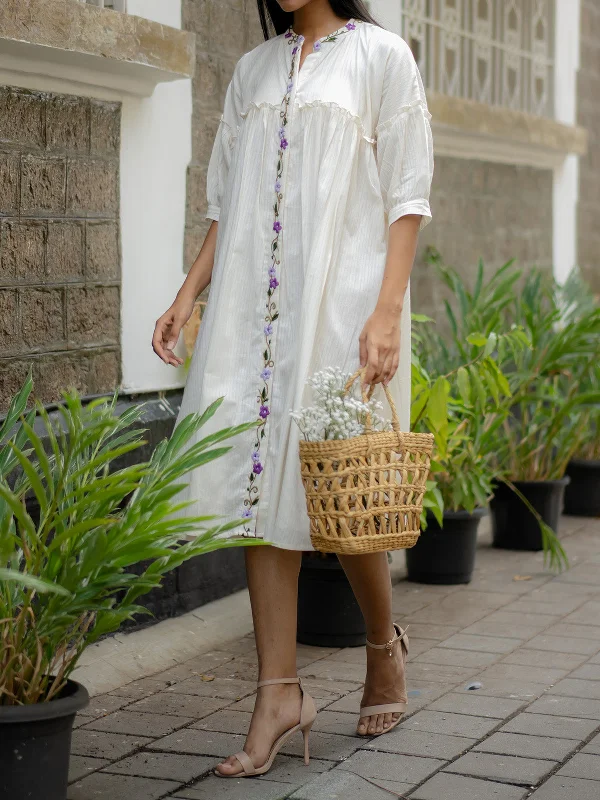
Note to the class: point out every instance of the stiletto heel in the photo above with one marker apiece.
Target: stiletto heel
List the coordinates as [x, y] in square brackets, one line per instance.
[388, 708]
[306, 734]
[308, 714]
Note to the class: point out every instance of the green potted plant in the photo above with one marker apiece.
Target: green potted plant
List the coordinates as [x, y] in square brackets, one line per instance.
[63, 578]
[464, 410]
[582, 494]
[549, 413]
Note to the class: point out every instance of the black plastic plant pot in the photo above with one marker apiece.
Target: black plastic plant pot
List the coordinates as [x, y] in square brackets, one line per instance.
[445, 555]
[582, 495]
[35, 744]
[514, 527]
[328, 614]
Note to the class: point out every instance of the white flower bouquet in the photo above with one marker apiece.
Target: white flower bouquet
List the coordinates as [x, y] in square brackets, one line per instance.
[337, 413]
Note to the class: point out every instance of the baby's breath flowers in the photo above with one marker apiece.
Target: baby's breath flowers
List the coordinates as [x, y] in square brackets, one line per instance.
[335, 414]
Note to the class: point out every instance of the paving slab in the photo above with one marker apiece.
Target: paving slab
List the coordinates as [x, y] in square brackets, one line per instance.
[563, 788]
[187, 705]
[587, 614]
[481, 643]
[226, 721]
[527, 657]
[80, 766]
[593, 746]
[547, 725]
[451, 724]
[502, 768]
[590, 672]
[105, 745]
[102, 705]
[327, 746]
[334, 670]
[101, 786]
[227, 688]
[566, 707]
[387, 766]
[142, 688]
[421, 743]
[527, 746]
[340, 722]
[576, 687]
[235, 789]
[582, 765]
[135, 724]
[456, 658]
[475, 704]
[292, 770]
[563, 644]
[169, 766]
[341, 785]
[445, 786]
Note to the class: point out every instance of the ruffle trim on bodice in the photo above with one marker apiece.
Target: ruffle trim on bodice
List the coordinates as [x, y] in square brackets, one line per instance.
[314, 104]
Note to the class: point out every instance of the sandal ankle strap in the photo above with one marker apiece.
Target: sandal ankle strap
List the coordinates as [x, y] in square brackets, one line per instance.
[400, 635]
[274, 681]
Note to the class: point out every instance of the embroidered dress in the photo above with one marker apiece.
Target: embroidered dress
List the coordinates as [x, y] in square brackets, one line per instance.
[309, 168]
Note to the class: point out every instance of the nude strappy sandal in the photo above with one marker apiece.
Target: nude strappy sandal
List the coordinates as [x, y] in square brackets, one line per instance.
[308, 714]
[387, 708]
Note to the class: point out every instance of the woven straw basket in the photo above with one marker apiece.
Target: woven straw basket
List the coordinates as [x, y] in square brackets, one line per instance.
[366, 494]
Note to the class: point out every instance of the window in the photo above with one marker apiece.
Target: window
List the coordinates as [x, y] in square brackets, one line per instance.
[497, 52]
[118, 5]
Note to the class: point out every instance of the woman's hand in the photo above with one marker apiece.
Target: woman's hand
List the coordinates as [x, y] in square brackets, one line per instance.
[167, 330]
[380, 346]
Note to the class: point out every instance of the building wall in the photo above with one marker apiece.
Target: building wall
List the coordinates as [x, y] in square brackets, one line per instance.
[59, 243]
[589, 117]
[225, 30]
[483, 210]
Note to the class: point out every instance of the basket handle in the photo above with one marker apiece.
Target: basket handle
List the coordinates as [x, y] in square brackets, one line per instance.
[367, 395]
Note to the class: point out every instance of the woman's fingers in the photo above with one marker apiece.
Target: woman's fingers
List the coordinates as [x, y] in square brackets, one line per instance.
[362, 345]
[164, 340]
[373, 367]
[158, 339]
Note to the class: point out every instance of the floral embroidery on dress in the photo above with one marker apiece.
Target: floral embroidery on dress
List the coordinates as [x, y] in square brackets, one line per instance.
[264, 396]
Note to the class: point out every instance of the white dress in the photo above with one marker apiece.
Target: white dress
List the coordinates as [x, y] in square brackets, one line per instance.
[309, 168]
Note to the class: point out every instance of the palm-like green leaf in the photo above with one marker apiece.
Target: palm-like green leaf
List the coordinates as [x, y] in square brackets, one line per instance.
[64, 580]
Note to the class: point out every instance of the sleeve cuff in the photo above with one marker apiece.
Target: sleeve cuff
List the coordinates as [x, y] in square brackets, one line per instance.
[213, 213]
[420, 207]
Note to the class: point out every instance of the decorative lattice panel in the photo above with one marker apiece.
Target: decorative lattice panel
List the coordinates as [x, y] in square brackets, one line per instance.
[498, 52]
[117, 5]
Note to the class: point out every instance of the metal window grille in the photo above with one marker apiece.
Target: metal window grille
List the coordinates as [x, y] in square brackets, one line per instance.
[498, 52]
[117, 5]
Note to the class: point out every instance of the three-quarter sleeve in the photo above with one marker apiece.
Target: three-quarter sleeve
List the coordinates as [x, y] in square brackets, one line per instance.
[220, 159]
[404, 140]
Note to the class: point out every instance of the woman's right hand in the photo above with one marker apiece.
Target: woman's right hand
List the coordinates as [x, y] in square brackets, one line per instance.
[167, 330]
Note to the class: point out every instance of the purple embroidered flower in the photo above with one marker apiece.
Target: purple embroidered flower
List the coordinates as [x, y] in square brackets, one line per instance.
[256, 456]
[350, 26]
[294, 51]
[290, 86]
[288, 34]
[273, 283]
[301, 38]
[317, 45]
[284, 143]
[257, 468]
[272, 272]
[264, 412]
[278, 187]
[247, 513]
[277, 226]
[281, 133]
[266, 374]
[268, 332]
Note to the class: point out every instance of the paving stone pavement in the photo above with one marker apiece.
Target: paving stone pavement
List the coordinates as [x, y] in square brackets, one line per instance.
[530, 638]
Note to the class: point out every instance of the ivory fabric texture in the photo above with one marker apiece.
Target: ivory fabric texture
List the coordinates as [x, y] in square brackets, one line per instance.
[309, 168]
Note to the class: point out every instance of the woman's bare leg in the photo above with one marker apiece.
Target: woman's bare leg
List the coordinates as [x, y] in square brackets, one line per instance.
[273, 585]
[369, 576]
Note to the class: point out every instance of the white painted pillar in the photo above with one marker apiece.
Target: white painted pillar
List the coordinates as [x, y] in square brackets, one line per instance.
[156, 149]
[566, 176]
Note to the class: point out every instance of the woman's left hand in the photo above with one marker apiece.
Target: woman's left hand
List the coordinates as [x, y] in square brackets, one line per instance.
[380, 346]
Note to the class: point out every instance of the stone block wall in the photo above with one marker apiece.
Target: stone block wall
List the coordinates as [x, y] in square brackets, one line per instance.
[483, 210]
[59, 243]
[589, 117]
[225, 30]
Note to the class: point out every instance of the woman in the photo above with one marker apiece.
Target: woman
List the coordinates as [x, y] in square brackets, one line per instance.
[317, 186]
